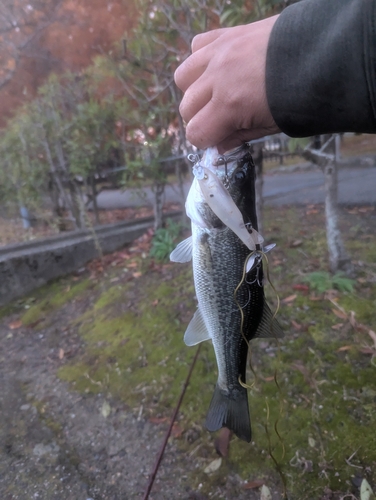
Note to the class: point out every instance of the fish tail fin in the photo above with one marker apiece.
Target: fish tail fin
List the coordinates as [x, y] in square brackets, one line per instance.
[232, 413]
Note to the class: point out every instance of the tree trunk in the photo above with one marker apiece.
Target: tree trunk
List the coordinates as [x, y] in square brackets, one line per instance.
[325, 156]
[95, 202]
[57, 181]
[338, 258]
[180, 177]
[158, 190]
[183, 149]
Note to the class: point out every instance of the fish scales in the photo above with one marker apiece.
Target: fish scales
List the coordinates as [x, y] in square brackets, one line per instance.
[219, 257]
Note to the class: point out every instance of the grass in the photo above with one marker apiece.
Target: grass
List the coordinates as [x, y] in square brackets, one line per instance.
[324, 406]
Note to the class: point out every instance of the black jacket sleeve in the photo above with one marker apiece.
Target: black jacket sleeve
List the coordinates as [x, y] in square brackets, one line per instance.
[321, 67]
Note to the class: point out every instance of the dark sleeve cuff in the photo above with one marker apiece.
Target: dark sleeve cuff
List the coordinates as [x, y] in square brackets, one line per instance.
[321, 67]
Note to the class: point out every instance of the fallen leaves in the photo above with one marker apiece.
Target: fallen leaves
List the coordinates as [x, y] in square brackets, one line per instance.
[129, 259]
[300, 287]
[176, 431]
[296, 243]
[366, 492]
[289, 299]
[309, 377]
[105, 409]
[222, 442]
[213, 466]
[265, 493]
[350, 317]
[339, 313]
[297, 326]
[158, 420]
[251, 485]
[345, 348]
[337, 326]
[14, 325]
[312, 209]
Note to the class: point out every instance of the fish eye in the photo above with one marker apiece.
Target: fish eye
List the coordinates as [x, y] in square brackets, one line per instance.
[239, 177]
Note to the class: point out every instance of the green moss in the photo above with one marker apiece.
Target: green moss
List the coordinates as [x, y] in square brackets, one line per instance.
[7, 310]
[134, 350]
[52, 297]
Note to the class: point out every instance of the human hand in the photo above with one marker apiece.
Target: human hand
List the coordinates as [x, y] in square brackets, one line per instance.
[223, 81]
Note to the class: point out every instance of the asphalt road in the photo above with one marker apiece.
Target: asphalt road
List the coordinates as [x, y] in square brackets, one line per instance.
[357, 185]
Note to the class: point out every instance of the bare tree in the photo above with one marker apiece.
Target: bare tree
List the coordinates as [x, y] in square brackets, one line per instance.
[325, 156]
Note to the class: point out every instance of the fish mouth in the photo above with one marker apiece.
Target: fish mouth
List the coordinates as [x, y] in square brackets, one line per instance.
[232, 155]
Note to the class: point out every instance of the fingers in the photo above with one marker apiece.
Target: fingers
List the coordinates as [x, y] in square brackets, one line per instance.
[203, 39]
[224, 84]
[190, 70]
[213, 125]
[209, 126]
[241, 136]
[195, 98]
[195, 65]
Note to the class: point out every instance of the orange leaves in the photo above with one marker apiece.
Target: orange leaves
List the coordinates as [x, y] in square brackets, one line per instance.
[251, 485]
[14, 325]
[129, 259]
[300, 287]
[222, 442]
[359, 327]
[289, 299]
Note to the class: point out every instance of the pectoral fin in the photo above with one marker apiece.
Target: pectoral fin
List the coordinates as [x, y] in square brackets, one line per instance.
[269, 326]
[183, 252]
[196, 331]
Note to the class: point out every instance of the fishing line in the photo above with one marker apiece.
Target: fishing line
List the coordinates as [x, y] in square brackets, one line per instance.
[275, 377]
[280, 394]
[276, 463]
[243, 384]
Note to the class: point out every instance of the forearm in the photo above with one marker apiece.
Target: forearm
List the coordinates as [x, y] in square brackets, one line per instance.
[321, 67]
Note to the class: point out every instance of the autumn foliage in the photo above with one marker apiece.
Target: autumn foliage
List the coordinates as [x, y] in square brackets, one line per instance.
[40, 37]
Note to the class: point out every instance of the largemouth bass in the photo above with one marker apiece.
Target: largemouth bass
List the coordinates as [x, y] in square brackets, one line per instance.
[232, 309]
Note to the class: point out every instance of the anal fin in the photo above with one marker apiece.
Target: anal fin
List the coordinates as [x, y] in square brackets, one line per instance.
[269, 326]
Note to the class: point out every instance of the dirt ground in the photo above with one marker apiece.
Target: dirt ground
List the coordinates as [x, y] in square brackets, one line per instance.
[58, 444]
[61, 441]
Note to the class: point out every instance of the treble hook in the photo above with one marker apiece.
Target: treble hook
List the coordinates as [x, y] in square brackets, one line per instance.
[255, 261]
[222, 159]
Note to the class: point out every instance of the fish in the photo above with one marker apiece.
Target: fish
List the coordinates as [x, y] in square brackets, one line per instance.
[226, 252]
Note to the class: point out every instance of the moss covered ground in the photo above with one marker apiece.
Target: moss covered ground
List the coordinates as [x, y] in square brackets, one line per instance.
[324, 404]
